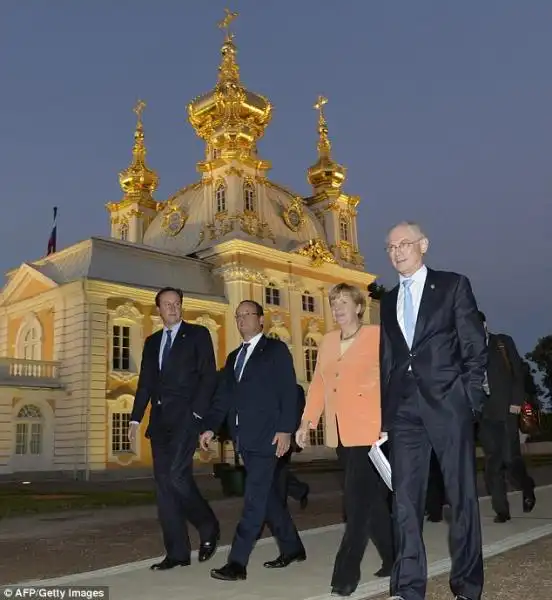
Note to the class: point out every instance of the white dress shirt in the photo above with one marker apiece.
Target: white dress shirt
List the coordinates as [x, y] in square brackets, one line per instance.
[416, 289]
[252, 343]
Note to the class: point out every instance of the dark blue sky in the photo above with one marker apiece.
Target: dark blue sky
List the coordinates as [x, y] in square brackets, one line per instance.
[440, 110]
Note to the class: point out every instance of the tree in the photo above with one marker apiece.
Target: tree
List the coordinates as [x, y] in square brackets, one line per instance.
[532, 389]
[376, 291]
[541, 357]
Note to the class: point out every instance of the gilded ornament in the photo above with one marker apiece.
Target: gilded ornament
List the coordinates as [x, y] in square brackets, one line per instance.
[174, 220]
[293, 215]
[318, 252]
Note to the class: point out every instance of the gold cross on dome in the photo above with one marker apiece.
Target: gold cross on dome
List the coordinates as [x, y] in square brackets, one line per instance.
[225, 23]
[139, 109]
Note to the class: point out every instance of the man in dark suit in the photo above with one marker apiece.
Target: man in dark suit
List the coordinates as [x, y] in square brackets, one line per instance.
[258, 396]
[433, 358]
[178, 376]
[499, 426]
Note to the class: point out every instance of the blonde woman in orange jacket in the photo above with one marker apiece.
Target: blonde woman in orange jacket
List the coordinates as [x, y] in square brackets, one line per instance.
[345, 388]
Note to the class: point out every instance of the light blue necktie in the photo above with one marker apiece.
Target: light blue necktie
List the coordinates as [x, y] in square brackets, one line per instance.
[409, 319]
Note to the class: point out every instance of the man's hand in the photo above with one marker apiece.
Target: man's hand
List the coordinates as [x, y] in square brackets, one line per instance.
[301, 436]
[283, 442]
[515, 409]
[132, 435]
[205, 439]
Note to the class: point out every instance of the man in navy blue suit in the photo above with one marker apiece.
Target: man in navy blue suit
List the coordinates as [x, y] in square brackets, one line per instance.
[257, 394]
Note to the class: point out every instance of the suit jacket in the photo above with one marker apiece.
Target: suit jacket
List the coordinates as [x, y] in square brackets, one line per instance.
[505, 376]
[264, 402]
[449, 351]
[184, 386]
[347, 389]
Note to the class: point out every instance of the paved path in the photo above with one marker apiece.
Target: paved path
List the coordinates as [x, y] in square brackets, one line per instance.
[310, 580]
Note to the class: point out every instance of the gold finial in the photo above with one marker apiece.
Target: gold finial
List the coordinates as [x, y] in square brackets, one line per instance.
[326, 173]
[138, 179]
[226, 22]
[324, 145]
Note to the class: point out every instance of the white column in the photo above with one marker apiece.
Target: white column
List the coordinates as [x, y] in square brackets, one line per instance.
[327, 311]
[296, 333]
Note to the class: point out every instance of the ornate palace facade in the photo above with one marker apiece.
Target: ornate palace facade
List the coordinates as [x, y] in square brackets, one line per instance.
[72, 324]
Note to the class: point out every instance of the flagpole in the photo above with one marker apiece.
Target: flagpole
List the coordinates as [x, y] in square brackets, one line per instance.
[52, 242]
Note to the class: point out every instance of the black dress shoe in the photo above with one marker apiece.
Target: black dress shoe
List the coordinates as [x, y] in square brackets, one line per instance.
[500, 518]
[461, 597]
[230, 572]
[435, 517]
[343, 590]
[529, 501]
[285, 560]
[208, 548]
[169, 563]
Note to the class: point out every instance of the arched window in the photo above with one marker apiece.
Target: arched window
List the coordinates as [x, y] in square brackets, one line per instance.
[29, 339]
[307, 302]
[29, 431]
[249, 196]
[220, 197]
[272, 295]
[310, 348]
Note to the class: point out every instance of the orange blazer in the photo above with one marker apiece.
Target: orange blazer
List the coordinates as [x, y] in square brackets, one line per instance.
[347, 389]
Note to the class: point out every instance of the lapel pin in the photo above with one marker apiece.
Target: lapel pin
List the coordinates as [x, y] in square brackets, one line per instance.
[183, 335]
[432, 286]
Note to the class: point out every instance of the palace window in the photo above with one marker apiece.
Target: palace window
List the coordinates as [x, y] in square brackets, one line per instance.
[272, 295]
[310, 348]
[121, 347]
[29, 431]
[120, 422]
[125, 343]
[307, 302]
[220, 197]
[123, 232]
[344, 230]
[249, 197]
[29, 339]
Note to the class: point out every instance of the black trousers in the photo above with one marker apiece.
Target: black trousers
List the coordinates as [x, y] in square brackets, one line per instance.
[448, 429]
[435, 499]
[365, 500]
[263, 503]
[288, 484]
[178, 497]
[503, 460]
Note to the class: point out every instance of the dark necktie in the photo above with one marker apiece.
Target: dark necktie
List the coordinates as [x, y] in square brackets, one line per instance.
[166, 348]
[240, 362]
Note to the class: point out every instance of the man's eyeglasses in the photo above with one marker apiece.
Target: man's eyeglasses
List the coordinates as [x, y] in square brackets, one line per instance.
[402, 246]
[245, 315]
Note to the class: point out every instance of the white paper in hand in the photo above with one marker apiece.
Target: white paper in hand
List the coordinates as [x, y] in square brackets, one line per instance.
[380, 461]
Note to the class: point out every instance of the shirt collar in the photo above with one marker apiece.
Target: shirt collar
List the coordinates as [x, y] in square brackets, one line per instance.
[417, 277]
[253, 341]
[172, 329]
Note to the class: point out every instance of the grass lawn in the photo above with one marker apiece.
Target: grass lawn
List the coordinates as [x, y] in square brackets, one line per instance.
[17, 499]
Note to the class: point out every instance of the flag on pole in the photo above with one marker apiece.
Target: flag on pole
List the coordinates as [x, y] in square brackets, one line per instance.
[52, 242]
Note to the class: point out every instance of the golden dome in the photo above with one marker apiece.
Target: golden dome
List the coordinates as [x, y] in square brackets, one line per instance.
[230, 117]
[325, 173]
[138, 180]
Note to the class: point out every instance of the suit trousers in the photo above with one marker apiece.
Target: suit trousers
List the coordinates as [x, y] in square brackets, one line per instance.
[288, 484]
[178, 497]
[503, 459]
[263, 503]
[448, 429]
[435, 499]
[365, 503]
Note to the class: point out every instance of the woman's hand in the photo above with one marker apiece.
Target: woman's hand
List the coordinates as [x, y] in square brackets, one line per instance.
[301, 435]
